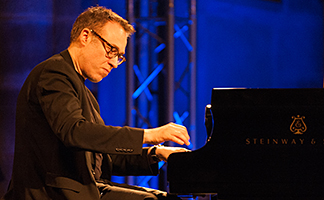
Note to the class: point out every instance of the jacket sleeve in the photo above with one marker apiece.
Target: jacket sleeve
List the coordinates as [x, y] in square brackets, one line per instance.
[133, 165]
[67, 107]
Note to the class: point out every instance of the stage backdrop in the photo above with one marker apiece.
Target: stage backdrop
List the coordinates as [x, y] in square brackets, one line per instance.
[250, 43]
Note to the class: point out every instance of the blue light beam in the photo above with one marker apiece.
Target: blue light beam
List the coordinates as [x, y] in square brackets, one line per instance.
[149, 79]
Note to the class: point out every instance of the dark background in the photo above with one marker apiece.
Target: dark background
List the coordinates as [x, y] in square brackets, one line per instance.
[240, 43]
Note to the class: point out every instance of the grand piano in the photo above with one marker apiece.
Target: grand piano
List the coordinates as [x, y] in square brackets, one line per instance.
[261, 144]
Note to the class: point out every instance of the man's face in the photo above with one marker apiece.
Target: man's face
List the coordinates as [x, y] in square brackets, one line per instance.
[94, 63]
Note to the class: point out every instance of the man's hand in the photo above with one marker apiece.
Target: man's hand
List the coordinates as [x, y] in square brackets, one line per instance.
[169, 132]
[163, 152]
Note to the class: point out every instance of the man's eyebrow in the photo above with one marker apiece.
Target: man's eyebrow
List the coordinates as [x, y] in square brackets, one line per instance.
[119, 53]
[116, 47]
[113, 45]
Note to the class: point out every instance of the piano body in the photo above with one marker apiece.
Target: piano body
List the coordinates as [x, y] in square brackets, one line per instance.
[264, 143]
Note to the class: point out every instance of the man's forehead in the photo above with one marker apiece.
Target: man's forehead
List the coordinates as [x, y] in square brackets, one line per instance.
[115, 34]
[113, 28]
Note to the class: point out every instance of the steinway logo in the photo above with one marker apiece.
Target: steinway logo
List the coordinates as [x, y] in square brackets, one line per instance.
[297, 127]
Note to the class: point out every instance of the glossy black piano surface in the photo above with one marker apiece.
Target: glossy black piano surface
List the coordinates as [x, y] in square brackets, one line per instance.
[264, 143]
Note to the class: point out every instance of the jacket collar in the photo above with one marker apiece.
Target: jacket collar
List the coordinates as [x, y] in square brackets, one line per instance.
[67, 57]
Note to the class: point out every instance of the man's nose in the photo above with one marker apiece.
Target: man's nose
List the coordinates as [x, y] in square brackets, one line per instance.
[113, 62]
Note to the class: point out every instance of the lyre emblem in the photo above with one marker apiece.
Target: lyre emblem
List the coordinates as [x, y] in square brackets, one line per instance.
[298, 126]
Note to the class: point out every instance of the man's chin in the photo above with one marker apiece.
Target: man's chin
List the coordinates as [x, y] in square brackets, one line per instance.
[98, 77]
[95, 80]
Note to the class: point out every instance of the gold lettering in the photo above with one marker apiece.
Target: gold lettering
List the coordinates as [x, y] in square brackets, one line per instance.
[313, 141]
[301, 141]
[277, 141]
[255, 141]
[284, 141]
[247, 141]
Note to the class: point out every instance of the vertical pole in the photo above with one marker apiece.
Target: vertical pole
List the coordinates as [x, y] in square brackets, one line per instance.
[129, 64]
[170, 61]
[192, 62]
[142, 103]
[130, 74]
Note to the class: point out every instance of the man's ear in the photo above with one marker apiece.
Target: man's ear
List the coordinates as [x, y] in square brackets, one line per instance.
[85, 36]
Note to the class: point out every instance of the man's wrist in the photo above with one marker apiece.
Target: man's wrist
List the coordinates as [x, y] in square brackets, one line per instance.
[154, 155]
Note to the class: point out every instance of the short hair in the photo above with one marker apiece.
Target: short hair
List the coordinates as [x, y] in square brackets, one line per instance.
[95, 18]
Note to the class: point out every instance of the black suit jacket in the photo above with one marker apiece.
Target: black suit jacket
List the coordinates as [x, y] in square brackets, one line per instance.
[58, 128]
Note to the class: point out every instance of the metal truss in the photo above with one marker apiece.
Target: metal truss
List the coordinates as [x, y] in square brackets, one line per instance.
[161, 68]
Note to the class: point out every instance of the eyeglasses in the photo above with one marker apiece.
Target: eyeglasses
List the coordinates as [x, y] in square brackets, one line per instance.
[111, 51]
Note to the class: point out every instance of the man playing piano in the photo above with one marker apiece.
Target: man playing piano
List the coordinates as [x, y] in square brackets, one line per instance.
[63, 149]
